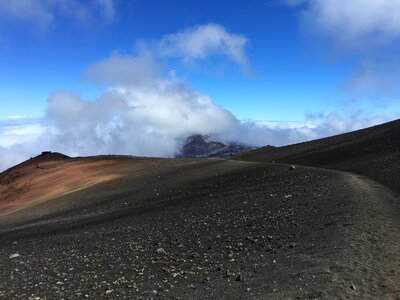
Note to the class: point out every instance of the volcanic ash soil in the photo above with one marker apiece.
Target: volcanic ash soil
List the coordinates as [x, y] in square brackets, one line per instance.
[207, 229]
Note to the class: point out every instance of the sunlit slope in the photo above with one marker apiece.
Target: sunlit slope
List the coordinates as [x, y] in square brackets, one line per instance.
[52, 175]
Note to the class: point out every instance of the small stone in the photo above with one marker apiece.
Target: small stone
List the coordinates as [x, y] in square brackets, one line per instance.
[108, 291]
[292, 167]
[353, 286]
[160, 251]
[15, 255]
[207, 279]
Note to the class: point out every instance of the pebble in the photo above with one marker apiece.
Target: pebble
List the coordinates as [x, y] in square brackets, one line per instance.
[160, 251]
[108, 291]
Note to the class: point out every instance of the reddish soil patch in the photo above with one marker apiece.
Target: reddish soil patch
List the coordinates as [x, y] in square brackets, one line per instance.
[52, 175]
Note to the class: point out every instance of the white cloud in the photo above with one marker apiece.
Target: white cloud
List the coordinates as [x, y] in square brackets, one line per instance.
[107, 8]
[374, 80]
[145, 116]
[12, 156]
[43, 12]
[32, 10]
[126, 70]
[354, 22]
[369, 31]
[15, 134]
[154, 122]
[200, 42]
[19, 139]
[146, 111]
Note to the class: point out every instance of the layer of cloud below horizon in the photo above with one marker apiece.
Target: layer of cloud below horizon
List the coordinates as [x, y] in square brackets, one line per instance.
[147, 111]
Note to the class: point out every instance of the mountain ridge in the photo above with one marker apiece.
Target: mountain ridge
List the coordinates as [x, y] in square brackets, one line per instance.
[373, 152]
[210, 146]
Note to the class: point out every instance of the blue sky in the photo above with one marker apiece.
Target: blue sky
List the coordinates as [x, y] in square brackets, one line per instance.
[328, 66]
[288, 70]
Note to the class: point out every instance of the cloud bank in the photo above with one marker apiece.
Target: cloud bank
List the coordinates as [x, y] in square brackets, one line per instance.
[146, 115]
[145, 110]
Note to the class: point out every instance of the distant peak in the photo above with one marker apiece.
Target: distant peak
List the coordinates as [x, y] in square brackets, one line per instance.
[210, 146]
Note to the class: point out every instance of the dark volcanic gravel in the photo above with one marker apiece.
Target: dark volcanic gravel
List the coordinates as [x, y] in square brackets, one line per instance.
[207, 229]
[372, 152]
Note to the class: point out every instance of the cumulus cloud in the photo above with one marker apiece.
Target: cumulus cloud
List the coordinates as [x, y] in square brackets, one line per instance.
[147, 111]
[43, 12]
[200, 42]
[355, 22]
[153, 122]
[146, 117]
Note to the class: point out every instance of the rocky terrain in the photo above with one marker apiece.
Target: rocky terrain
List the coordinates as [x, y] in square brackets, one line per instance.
[119, 227]
[208, 146]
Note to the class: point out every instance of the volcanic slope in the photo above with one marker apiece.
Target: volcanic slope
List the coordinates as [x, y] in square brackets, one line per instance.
[139, 228]
[374, 152]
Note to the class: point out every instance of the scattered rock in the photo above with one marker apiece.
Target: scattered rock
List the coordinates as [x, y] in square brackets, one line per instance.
[292, 167]
[108, 291]
[160, 251]
[15, 255]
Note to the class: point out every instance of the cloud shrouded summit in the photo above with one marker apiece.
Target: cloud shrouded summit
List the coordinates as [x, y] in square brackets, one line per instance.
[142, 112]
[145, 110]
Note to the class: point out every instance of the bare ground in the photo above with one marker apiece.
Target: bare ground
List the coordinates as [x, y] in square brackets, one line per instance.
[208, 229]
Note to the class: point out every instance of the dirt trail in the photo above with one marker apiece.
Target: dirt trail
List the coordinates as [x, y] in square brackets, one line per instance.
[371, 263]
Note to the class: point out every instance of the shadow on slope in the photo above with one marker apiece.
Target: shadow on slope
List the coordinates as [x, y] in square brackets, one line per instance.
[373, 152]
